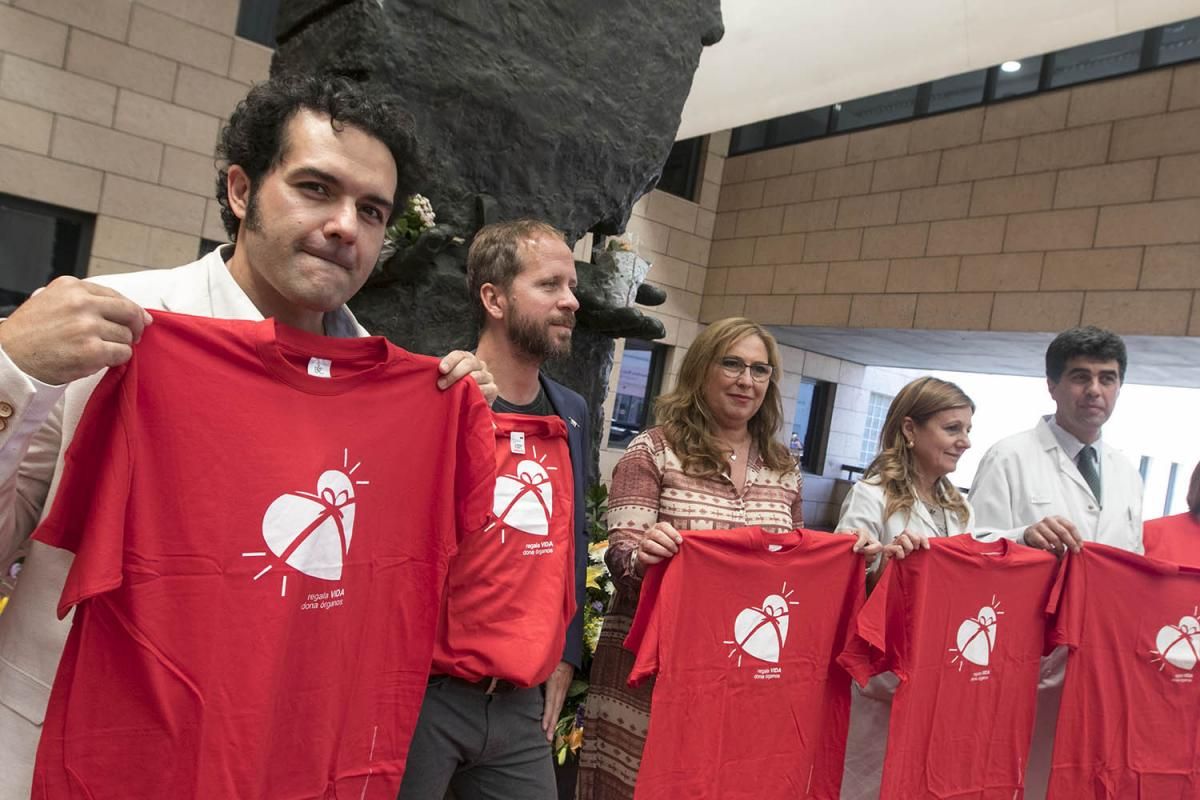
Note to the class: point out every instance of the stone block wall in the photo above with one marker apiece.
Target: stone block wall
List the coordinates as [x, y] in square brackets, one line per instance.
[1080, 205]
[113, 107]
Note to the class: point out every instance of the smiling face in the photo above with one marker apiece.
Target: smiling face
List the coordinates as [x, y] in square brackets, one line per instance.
[734, 401]
[1085, 396]
[940, 441]
[312, 228]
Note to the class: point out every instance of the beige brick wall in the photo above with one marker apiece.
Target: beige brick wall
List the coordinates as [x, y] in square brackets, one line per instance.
[675, 235]
[113, 107]
[1075, 206]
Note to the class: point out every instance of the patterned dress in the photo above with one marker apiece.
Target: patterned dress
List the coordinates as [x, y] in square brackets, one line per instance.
[649, 486]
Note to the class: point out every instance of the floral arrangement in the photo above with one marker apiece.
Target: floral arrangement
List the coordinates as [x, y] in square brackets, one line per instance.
[568, 733]
[416, 218]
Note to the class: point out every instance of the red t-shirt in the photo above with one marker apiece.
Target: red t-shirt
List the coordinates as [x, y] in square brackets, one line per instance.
[511, 589]
[1129, 723]
[259, 557]
[963, 627]
[1175, 538]
[749, 702]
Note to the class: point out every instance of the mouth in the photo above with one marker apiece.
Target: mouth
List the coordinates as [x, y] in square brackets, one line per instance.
[330, 257]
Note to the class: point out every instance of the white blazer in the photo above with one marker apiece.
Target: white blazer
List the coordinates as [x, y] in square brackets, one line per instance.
[32, 446]
[862, 510]
[1028, 476]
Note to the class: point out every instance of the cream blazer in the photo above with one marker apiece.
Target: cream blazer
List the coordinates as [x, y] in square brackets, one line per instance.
[31, 457]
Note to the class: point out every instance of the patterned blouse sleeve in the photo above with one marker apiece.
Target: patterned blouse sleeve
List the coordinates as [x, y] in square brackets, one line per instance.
[633, 502]
[798, 501]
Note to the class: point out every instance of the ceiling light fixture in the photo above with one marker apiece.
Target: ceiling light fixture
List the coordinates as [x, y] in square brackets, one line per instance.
[1011, 66]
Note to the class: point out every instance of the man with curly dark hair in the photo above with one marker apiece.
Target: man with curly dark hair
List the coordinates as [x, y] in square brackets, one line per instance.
[313, 170]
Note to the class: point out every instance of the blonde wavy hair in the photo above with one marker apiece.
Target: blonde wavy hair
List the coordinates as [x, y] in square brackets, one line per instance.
[687, 421]
[894, 465]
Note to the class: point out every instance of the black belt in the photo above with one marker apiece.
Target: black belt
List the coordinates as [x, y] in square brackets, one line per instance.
[485, 685]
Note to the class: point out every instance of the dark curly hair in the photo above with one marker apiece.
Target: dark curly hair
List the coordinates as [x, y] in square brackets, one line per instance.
[255, 138]
[1089, 342]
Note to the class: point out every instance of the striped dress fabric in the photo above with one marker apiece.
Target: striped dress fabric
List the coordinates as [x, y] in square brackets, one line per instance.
[648, 486]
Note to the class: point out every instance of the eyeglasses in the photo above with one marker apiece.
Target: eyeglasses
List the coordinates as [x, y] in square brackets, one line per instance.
[734, 367]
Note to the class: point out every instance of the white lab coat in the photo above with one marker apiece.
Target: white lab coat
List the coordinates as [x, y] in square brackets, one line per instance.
[1025, 478]
[870, 707]
[862, 510]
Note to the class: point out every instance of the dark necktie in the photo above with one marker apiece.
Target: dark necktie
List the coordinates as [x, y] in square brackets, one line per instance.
[1086, 461]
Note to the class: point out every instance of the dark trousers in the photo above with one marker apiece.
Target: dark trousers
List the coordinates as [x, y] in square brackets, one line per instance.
[479, 746]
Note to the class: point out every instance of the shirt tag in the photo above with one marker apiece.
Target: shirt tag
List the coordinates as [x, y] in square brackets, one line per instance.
[319, 367]
[516, 442]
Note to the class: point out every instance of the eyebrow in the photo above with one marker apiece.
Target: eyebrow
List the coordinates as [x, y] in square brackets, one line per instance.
[1086, 371]
[313, 172]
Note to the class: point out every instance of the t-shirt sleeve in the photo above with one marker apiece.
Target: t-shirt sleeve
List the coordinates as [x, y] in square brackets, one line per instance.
[877, 632]
[88, 516]
[1067, 601]
[475, 465]
[645, 631]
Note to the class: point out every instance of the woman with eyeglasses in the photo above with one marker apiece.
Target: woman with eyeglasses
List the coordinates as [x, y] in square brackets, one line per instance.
[713, 462]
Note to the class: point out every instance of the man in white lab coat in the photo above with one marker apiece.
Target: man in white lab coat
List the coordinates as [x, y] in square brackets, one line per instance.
[1059, 485]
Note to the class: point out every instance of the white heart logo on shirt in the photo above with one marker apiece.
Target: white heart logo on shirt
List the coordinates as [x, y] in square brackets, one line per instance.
[311, 532]
[524, 500]
[762, 632]
[1179, 645]
[976, 637]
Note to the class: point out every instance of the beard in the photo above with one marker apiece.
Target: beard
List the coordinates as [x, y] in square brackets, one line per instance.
[534, 338]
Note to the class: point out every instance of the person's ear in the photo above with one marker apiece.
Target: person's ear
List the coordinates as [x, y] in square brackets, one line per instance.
[237, 187]
[495, 304]
[907, 429]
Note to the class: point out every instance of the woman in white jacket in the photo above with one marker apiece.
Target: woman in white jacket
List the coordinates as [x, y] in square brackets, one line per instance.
[903, 499]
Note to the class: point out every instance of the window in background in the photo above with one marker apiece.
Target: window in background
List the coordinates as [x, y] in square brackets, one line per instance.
[207, 246]
[798, 127]
[814, 408]
[1021, 80]
[876, 414]
[957, 91]
[39, 242]
[637, 385]
[748, 138]
[1096, 60]
[1179, 42]
[256, 21]
[876, 109]
[1120, 55]
[681, 172]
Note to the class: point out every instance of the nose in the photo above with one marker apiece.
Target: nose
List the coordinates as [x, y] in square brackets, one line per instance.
[568, 301]
[342, 222]
[966, 441]
[743, 378]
